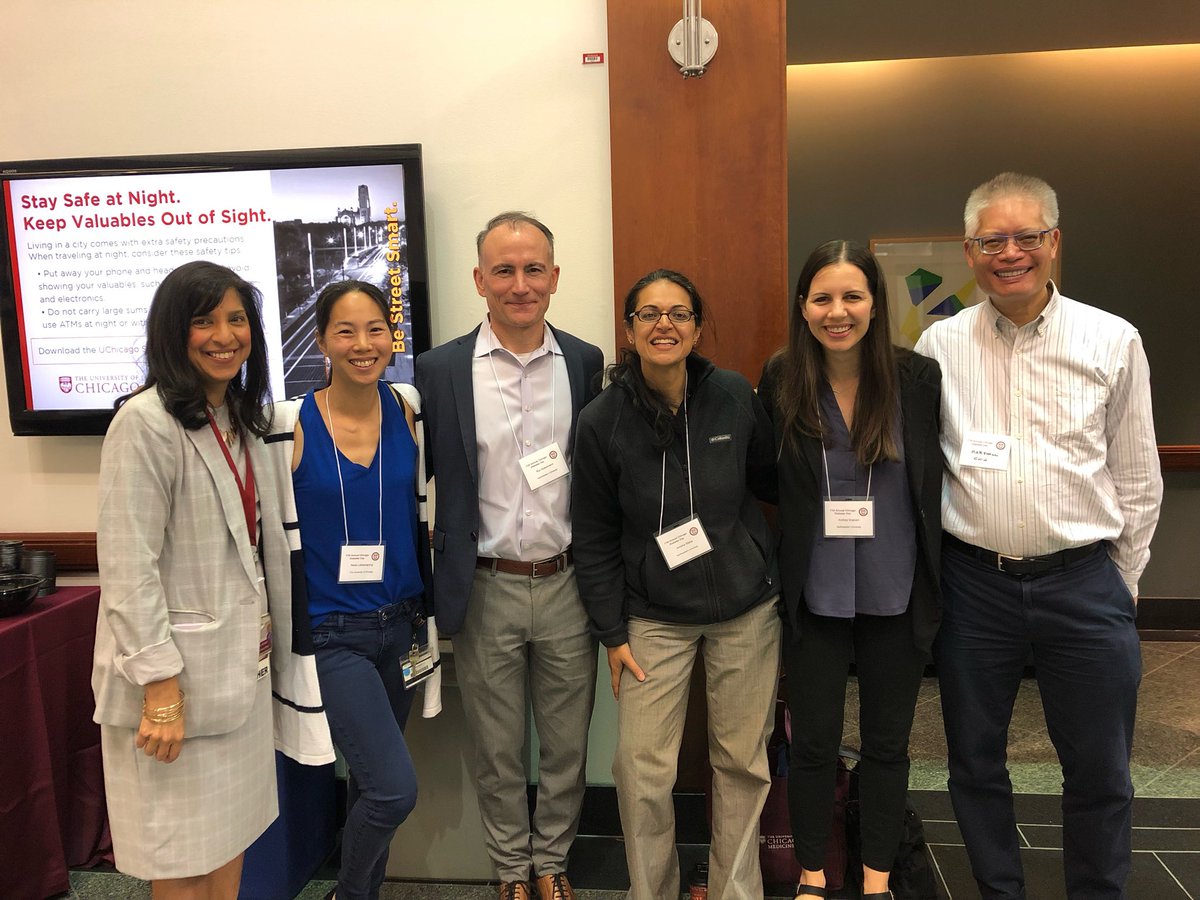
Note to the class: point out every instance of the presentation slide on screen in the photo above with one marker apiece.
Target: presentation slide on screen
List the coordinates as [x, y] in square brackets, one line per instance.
[89, 252]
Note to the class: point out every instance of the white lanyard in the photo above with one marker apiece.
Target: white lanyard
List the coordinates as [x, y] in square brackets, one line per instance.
[687, 443]
[337, 462]
[687, 540]
[849, 517]
[553, 400]
[825, 463]
[829, 487]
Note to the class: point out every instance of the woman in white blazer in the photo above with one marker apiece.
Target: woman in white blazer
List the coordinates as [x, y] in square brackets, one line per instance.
[195, 593]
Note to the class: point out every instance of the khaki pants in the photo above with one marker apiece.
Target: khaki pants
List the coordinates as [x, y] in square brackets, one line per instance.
[741, 664]
[519, 632]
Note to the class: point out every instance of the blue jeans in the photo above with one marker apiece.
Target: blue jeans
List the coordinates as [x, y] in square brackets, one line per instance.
[358, 665]
[1079, 622]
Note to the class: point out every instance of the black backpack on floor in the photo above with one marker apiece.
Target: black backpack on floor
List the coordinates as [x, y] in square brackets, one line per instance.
[912, 876]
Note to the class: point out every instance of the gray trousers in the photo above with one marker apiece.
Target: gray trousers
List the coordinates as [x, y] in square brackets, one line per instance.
[741, 666]
[525, 641]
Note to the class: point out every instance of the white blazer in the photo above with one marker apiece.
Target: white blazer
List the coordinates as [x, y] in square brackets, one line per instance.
[180, 590]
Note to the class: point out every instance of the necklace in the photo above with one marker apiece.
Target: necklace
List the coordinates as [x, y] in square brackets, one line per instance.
[221, 416]
[851, 383]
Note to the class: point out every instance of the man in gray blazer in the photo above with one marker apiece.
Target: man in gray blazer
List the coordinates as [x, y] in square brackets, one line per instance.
[500, 409]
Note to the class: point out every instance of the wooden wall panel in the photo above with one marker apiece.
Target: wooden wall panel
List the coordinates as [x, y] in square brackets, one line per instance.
[699, 168]
[74, 551]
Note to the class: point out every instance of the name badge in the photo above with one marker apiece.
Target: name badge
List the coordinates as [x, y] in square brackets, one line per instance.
[544, 466]
[360, 563]
[416, 665]
[981, 450]
[849, 517]
[264, 647]
[684, 542]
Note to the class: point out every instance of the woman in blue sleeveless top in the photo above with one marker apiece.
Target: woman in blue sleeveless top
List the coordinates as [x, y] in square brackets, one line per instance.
[353, 469]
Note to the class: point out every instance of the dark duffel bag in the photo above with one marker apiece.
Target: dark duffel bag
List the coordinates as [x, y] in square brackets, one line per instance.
[912, 876]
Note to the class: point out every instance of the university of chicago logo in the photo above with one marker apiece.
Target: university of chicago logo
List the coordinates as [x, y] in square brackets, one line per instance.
[554, 454]
[999, 445]
[693, 531]
[64, 383]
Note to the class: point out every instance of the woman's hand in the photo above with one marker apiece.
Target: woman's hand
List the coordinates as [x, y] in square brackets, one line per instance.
[161, 740]
[622, 658]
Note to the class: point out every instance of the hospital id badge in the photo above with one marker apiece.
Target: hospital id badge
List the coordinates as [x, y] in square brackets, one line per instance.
[360, 563]
[416, 666]
[849, 517]
[544, 466]
[264, 647]
[981, 450]
[684, 542]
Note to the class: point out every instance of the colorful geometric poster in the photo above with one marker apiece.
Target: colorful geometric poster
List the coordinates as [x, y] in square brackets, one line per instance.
[927, 279]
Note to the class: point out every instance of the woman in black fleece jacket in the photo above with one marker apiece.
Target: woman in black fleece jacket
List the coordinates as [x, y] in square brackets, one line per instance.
[672, 553]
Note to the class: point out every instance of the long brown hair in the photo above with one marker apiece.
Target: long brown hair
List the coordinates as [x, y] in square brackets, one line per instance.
[802, 364]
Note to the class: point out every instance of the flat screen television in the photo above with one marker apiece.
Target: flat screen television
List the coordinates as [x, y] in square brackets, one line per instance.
[85, 242]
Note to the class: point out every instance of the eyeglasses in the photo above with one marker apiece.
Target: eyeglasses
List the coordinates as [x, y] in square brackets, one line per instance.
[650, 315]
[991, 244]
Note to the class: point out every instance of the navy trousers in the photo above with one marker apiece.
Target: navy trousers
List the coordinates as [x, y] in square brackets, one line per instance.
[358, 667]
[1079, 622]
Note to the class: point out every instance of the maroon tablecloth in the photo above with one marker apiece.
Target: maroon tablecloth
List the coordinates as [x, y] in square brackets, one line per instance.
[52, 812]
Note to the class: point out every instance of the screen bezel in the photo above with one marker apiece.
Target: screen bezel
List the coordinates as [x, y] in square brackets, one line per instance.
[31, 422]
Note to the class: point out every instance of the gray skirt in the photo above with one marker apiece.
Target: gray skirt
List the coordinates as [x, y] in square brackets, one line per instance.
[192, 816]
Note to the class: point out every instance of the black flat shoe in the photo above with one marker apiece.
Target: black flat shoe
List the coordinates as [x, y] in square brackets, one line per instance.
[882, 895]
[810, 890]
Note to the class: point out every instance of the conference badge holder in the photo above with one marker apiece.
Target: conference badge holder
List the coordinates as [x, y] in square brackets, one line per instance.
[683, 542]
[544, 466]
[849, 517]
[264, 646]
[361, 563]
[981, 450]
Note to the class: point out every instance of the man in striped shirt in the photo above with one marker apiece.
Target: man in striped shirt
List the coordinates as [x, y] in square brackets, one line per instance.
[1051, 496]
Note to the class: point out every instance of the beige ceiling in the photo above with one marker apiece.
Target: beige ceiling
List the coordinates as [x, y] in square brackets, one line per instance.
[822, 31]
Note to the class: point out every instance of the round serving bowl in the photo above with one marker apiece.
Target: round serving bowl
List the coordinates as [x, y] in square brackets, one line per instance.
[17, 592]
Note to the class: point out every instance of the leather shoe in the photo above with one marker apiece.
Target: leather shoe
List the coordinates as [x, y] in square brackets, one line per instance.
[514, 890]
[554, 886]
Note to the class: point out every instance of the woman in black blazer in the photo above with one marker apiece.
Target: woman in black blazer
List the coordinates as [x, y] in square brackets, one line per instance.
[860, 475]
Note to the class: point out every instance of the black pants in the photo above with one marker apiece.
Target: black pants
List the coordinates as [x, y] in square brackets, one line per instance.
[889, 670]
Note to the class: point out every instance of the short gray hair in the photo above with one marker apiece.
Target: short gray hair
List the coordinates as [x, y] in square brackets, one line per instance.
[513, 219]
[1010, 184]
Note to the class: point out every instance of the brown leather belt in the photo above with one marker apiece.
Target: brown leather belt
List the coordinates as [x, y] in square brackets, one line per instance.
[538, 569]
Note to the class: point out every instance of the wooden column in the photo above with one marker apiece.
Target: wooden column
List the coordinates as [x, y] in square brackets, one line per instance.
[699, 168]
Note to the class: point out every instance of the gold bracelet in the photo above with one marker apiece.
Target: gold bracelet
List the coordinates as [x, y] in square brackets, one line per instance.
[163, 720]
[164, 715]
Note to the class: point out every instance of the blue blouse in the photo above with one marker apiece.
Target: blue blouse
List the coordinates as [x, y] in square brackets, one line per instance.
[319, 507]
[862, 576]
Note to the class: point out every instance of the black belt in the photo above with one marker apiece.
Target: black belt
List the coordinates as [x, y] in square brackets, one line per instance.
[1023, 565]
[537, 569]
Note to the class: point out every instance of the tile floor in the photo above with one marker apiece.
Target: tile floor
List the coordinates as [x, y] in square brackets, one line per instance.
[1166, 774]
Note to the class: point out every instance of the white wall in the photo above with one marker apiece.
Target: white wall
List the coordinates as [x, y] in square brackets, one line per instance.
[495, 92]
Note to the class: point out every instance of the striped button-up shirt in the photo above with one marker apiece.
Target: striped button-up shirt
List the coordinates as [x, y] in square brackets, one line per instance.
[522, 403]
[1071, 390]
